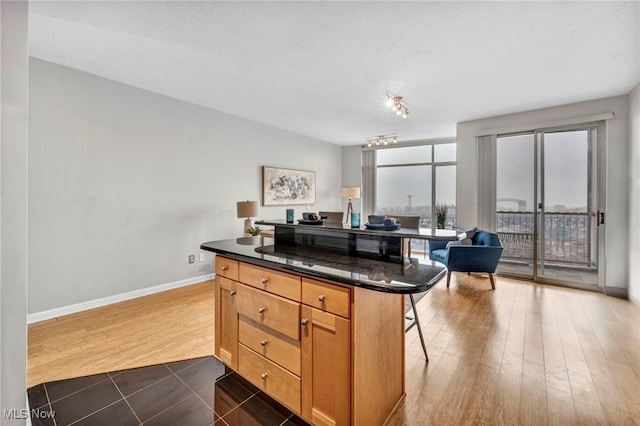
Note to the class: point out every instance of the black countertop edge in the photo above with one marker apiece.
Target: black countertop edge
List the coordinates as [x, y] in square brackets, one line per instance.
[420, 277]
[422, 233]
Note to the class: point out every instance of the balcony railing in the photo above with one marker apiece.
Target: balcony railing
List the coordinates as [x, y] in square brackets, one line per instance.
[567, 237]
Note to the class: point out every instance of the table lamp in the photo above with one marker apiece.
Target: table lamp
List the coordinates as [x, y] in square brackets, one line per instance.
[350, 192]
[248, 209]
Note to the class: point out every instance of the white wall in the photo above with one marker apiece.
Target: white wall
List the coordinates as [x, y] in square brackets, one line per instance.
[352, 173]
[13, 202]
[124, 184]
[634, 196]
[617, 165]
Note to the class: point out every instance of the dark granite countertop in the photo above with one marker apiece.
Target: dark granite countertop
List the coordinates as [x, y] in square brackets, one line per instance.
[414, 276]
[422, 233]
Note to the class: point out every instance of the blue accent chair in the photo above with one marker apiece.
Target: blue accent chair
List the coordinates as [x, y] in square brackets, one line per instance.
[482, 255]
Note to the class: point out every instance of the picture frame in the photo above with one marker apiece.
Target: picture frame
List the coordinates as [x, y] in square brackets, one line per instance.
[287, 186]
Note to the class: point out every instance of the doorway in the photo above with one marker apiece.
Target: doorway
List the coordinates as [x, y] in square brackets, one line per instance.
[547, 201]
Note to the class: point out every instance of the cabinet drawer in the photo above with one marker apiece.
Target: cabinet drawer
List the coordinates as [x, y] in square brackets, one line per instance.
[280, 283]
[226, 267]
[271, 378]
[327, 297]
[279, 349]
[267, 309]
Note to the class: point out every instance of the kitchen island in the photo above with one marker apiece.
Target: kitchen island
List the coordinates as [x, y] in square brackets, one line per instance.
[319, 329]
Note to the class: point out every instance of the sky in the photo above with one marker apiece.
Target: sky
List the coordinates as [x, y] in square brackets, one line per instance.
[565, 173]
[395, 184]
[565, 170]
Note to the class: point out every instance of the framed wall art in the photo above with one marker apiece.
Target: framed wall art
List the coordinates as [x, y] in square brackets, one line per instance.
[287, 186]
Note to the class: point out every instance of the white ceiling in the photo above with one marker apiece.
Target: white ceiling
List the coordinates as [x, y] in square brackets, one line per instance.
[322, 69]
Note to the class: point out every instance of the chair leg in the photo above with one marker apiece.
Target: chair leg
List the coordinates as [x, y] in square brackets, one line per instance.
[415, 314]
[493, 282]
[448, 278]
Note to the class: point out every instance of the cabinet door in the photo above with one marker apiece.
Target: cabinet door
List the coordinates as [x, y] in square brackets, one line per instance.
[326, 368]
[226, 320]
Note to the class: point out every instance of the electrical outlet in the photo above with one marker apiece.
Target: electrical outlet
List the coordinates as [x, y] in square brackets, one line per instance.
[201, 257]
[192, 258]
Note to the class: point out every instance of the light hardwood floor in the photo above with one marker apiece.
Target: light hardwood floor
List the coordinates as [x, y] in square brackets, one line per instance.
[163, 327]
[523, 354]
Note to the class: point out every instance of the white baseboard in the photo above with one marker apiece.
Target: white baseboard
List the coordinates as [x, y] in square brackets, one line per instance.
[616, 292]
[91, 304]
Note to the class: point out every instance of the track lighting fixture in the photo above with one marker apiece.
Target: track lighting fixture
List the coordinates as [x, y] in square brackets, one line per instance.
[395, 103]
[384, 140]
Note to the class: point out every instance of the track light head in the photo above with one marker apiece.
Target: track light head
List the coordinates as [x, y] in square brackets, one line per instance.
[396, 105]
[389, 101]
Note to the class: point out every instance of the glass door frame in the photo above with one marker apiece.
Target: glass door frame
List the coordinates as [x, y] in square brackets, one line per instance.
[596, 146]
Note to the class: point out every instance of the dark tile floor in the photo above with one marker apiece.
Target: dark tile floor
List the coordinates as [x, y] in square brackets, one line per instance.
[193, 392]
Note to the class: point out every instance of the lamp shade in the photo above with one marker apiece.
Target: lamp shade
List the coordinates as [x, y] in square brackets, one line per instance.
[248, 208]
[350, 192]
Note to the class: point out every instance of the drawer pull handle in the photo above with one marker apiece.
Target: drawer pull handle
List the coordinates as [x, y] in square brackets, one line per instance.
[225, 268]
[263, 342]
[264, 280]
[263, 376]
[261, 310]
[232, 293]
[321, 298]
[304, 321]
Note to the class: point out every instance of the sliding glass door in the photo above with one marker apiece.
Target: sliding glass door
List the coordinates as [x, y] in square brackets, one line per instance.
[546, 210]
[515, 203]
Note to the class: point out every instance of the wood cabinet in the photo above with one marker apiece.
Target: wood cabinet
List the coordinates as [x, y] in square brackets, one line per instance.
[280, 314]
[326, 368]
[326, 297]
[227, 268]
[226, 322]
[277, 282]
[278, 382]
[270, 344]
[302, 340]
